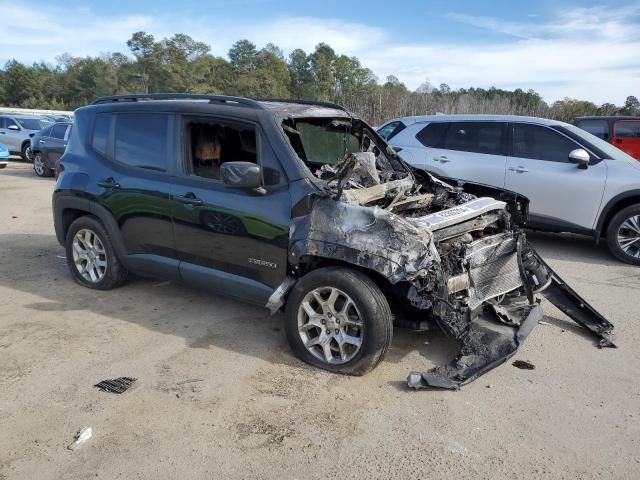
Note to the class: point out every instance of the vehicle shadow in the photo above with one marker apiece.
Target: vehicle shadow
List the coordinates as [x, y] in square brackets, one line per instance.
[36, 264]
[23, 170]
[572, 248]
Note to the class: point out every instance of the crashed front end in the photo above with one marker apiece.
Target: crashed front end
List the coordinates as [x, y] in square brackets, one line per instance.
[449, 255]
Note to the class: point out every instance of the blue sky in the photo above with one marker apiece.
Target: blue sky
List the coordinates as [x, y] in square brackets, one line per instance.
[583, 49]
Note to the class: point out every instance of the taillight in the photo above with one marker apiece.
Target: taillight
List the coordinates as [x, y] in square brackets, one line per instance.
[58, 170]
[397, 149]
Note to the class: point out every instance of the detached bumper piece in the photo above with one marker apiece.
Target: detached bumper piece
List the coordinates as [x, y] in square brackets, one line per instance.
[486, 344]
[576, 308]
[495, 335]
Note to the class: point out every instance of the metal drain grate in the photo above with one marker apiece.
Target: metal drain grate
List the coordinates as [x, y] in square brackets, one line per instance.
[117, 385]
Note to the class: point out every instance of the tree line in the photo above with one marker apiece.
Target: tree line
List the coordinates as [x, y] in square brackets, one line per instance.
[182, 64]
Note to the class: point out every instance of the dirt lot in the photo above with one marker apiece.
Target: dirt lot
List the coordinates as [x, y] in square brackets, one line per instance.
[251, 410]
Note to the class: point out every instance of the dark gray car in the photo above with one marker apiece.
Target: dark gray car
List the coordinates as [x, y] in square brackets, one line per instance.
[47, 146]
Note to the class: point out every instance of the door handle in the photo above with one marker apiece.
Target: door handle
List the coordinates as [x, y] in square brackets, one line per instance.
[109, 183]
[190, 199]
[519, 169]
[442, 159]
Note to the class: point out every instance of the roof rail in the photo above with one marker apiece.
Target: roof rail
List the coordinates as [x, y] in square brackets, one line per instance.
[223, 99]
[304, 102]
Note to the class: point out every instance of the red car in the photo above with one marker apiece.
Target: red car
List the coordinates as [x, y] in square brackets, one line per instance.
[623, 132]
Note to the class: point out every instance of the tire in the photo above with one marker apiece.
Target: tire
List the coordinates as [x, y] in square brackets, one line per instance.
[368, 318]
[25, 152]
[623, 235]
[40, 167]
[109, 276]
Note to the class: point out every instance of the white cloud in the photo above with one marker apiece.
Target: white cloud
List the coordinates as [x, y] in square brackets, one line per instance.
[587, 53]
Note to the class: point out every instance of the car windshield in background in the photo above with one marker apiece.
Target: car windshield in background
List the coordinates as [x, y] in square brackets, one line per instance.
[612, 152]
[326, 144]
[33, 123]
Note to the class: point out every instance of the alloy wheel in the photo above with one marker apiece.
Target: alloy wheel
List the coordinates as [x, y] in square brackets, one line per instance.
[89, 255]
[629, 236]
[38, 164]
[330, 325]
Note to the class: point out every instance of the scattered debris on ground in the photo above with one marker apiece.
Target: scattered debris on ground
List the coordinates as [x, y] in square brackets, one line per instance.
[81, 438]
[117, 385]
[523, 365]
[191, 380]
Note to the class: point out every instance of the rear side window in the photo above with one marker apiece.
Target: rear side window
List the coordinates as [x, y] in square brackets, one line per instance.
[391, 130]
[599, 128]
[141, 140]
[101, 128]
[46, 132]
[627, 129]
[432, 135]
[58, 131]
[476, 137]
[541, 143]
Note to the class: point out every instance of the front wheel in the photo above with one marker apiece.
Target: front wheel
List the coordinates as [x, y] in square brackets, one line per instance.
[40, 167]
[339, 320]
[623, 235]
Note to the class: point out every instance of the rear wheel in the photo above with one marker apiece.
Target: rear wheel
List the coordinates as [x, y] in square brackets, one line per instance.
[339, 320]
[91, 257]
[40, 166]
[623, 235]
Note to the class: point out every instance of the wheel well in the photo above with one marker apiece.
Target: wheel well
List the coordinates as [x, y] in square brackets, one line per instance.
[26, 142]
[310, 263]
[621, 204]
[69, 215]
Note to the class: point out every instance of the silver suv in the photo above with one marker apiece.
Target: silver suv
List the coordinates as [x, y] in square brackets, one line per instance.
[575, 181]
[16, 132]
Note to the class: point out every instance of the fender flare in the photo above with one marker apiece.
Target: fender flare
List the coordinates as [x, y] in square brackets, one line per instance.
[61, 204]
[389, 269]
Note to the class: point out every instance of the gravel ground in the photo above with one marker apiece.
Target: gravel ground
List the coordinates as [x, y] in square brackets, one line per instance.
[251, 410]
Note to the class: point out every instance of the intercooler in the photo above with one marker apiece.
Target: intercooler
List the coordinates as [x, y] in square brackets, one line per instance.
[493, 268]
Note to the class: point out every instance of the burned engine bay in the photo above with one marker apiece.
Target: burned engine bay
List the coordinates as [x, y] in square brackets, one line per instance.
[450, 255]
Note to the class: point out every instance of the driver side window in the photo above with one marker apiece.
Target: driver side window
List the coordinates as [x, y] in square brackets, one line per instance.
[210, 143]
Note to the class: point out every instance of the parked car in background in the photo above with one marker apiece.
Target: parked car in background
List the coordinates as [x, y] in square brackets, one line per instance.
[623, 132]
[47, 146]
[58, 118]
[16, 132]
[4, 156]
[576, 182]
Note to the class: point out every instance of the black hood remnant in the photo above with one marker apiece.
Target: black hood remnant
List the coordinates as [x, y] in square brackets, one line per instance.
[451, 255]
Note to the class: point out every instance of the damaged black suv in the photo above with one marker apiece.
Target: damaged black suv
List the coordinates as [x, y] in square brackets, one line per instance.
[302, 206]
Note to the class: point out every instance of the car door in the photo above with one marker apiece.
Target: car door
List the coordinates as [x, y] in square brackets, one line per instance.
[562, 195]
[469, 150]
[134, 184]
[54, 143]
[626, 136]
[233, 241]
[10, 134]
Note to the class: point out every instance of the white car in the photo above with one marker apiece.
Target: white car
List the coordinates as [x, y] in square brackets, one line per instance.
[575, 181]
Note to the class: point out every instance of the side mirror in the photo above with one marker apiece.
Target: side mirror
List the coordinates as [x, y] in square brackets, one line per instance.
[241, 174]
[581, 157]
[13, 127]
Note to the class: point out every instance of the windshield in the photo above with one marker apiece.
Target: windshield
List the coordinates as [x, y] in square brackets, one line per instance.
[32, 123]
[611, 151]
[327, 144]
